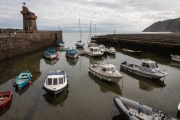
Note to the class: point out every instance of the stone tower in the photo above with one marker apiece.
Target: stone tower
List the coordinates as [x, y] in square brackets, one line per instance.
[29, 20]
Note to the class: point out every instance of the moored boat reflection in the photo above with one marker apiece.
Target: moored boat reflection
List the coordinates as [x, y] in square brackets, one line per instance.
[58, 99]
[71, 61]
[106, 86]
[5, 108]
[144, 83]
[51, 62]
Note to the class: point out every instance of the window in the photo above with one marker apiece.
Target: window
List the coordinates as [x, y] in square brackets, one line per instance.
[147, 65]
[55, 81]
[152, 66]
[103, 69]
[156, 65]
[49, 81]
[60, 80]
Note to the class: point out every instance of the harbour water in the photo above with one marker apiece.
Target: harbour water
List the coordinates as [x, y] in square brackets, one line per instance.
[87, 97]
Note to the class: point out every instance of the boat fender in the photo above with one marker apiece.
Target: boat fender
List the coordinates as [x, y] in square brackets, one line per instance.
[67, 84]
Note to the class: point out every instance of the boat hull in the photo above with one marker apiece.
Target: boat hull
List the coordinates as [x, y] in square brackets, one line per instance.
[93, 54]
[61, 45]
[72, 56]
[104, 77]
[5, 98]
[52, 56]
[141, 73]
[132, 52]
[175, 59]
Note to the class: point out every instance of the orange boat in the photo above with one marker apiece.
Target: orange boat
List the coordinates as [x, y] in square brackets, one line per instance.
[5, 98]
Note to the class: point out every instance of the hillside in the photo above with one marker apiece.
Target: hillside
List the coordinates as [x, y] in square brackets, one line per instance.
[172, 25]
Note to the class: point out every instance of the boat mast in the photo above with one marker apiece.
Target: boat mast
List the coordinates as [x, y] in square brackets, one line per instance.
[80, 29]
[90, 30]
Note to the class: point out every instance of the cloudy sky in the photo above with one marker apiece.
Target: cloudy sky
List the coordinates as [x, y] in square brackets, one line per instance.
[122, 15]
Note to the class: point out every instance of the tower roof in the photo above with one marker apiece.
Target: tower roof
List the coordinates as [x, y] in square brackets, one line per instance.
[28, 14]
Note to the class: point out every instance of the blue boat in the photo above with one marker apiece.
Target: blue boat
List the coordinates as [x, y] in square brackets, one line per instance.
[50, 53]
[71, 53]
[22, 79]
[61, 43]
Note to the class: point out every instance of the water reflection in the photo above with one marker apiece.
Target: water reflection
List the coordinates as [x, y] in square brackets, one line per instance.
[119, 117]
[23, 90]
[55, 100]
[144, 83]
[106, 86]
[175, 64]
[71, 61]
[5, 108]
[11, 68]
[51, 62]
[178, 114]
[111, 56]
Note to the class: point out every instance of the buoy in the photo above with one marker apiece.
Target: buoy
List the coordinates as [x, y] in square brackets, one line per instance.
[31, 75]
[29, 82]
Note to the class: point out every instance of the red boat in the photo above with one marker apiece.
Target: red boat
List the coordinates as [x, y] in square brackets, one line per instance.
[5, 98]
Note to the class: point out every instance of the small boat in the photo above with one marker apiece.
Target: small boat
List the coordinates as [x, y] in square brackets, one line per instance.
[102, 48]
[79, 43]
[148, 69]
[22, 79]
[175, 58]
[61, 43]
[64, 49]
[55, 81]
[128, 51]
[106, 72]
[111, 50]
[179, 107]
[5, 98]
[93, 43]
[50, 53]
[71, 53]
[133, 110]
[93, 51]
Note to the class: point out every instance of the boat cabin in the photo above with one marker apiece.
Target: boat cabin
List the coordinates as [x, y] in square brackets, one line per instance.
[108, 68]
[55, 79]
[72, 51]
[149, 64]
[94, 50]
[112, 48]
[101, 46]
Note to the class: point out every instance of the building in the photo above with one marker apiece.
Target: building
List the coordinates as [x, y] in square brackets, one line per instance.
[29, 21]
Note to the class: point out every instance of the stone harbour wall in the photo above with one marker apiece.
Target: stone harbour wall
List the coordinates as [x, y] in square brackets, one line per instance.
[157, 43]
[27, 42]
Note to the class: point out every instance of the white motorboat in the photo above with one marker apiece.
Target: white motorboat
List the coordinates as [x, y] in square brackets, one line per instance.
[133, 110]
[175, 58]
[179, 107]
[111, 50]
[102, 48]
[148, 69]
[106, 72]
[93, 51]
[55, 81]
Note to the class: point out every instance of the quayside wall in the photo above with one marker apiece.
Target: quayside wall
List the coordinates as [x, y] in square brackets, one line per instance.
[165, 44]
[26, 42]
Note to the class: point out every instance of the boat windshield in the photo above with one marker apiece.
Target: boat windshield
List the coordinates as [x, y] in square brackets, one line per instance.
[152, 65]
[111, 69]
[60, 80]
[55, 81]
